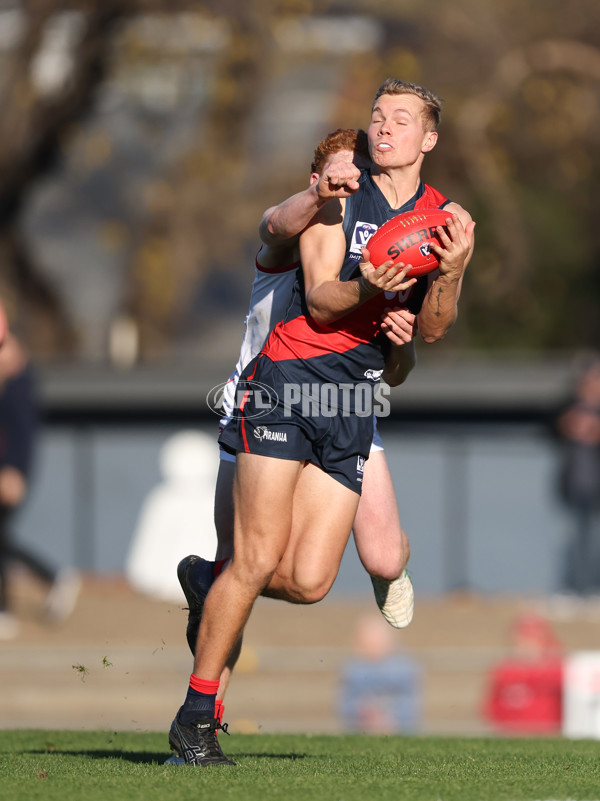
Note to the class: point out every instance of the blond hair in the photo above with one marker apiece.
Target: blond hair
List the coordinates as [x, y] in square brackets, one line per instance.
[433, 104]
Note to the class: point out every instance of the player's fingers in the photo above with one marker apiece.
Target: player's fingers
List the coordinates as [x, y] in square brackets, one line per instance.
[454, 230]
[380, 272]
[387, 267]
[398, 270]
[443, 231]
[396, 285]
[401, 316]
[438, 249]
[397, 336]
[342, 174]
[400, 330]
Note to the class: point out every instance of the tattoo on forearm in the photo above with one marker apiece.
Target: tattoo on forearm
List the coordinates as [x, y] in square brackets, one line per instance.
[439, 292]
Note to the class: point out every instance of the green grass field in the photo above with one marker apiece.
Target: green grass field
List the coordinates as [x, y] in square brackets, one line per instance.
[127, 765]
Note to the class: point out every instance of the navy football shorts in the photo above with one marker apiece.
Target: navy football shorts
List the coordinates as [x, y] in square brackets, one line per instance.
[263, 423]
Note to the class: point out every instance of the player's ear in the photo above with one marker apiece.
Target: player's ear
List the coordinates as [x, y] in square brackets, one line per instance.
[429, 141]
[314, 177]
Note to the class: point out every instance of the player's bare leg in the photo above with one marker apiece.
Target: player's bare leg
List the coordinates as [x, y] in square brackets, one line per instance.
[311, 560]
[224, 524]
[322, 519]
[263, 493]
[382, 544]
[223, 510]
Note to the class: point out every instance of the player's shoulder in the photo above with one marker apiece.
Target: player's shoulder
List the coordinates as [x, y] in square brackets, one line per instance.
[433, 198]
[462, 214]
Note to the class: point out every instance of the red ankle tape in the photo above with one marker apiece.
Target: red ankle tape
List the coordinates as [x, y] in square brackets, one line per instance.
[204, 686]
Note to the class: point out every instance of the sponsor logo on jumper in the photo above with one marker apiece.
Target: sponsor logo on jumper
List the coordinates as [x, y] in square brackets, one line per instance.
[363, 231]
[374, 375]
[262, 432]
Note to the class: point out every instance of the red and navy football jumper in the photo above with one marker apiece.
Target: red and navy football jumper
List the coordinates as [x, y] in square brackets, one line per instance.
[345, 349]
[345, 353]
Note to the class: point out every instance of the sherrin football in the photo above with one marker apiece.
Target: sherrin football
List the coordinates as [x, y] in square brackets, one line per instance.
[406, 238]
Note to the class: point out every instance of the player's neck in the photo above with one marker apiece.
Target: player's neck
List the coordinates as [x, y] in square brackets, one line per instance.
[397, 185]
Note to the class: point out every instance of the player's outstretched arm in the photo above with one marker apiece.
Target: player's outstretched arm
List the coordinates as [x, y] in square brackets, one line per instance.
[289, 218]
[440, 306]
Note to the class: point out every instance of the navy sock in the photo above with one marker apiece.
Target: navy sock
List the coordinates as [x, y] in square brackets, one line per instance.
[197, 705]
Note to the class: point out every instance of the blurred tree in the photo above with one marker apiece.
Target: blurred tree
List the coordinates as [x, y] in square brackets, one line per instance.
[519, 148]
[203, 227]
[38, 104]
[47, 88]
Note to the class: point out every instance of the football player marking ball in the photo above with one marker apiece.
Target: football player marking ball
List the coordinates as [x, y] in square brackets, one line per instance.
[407, 238]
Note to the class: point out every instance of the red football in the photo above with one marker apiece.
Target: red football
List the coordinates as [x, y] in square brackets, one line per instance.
[406, 238]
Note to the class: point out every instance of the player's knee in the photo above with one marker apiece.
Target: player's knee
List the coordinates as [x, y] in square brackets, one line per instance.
[309, 589]
[254, 568]
[385, 562]
[383, 565]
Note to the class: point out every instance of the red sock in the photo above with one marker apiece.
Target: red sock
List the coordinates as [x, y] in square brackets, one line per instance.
[204, 686]
[220, 566]
[219, 709]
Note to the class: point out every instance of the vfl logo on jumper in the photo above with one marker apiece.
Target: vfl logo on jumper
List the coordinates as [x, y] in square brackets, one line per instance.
[244, 398]
[363, 231]
[263, 433]
[374, 375]
[360, 469]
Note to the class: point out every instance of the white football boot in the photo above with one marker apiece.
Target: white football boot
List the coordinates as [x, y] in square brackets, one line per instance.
[395, 599]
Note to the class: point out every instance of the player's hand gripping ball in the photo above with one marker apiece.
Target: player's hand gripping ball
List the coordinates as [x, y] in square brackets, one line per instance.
[407, 238]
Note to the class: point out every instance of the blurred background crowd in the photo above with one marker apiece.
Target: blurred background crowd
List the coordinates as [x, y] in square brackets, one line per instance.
[140, 142]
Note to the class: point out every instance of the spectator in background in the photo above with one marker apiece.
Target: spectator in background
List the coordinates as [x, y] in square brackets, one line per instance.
[524, 692]
[578, 429]
[18, 436]
[380, 690]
